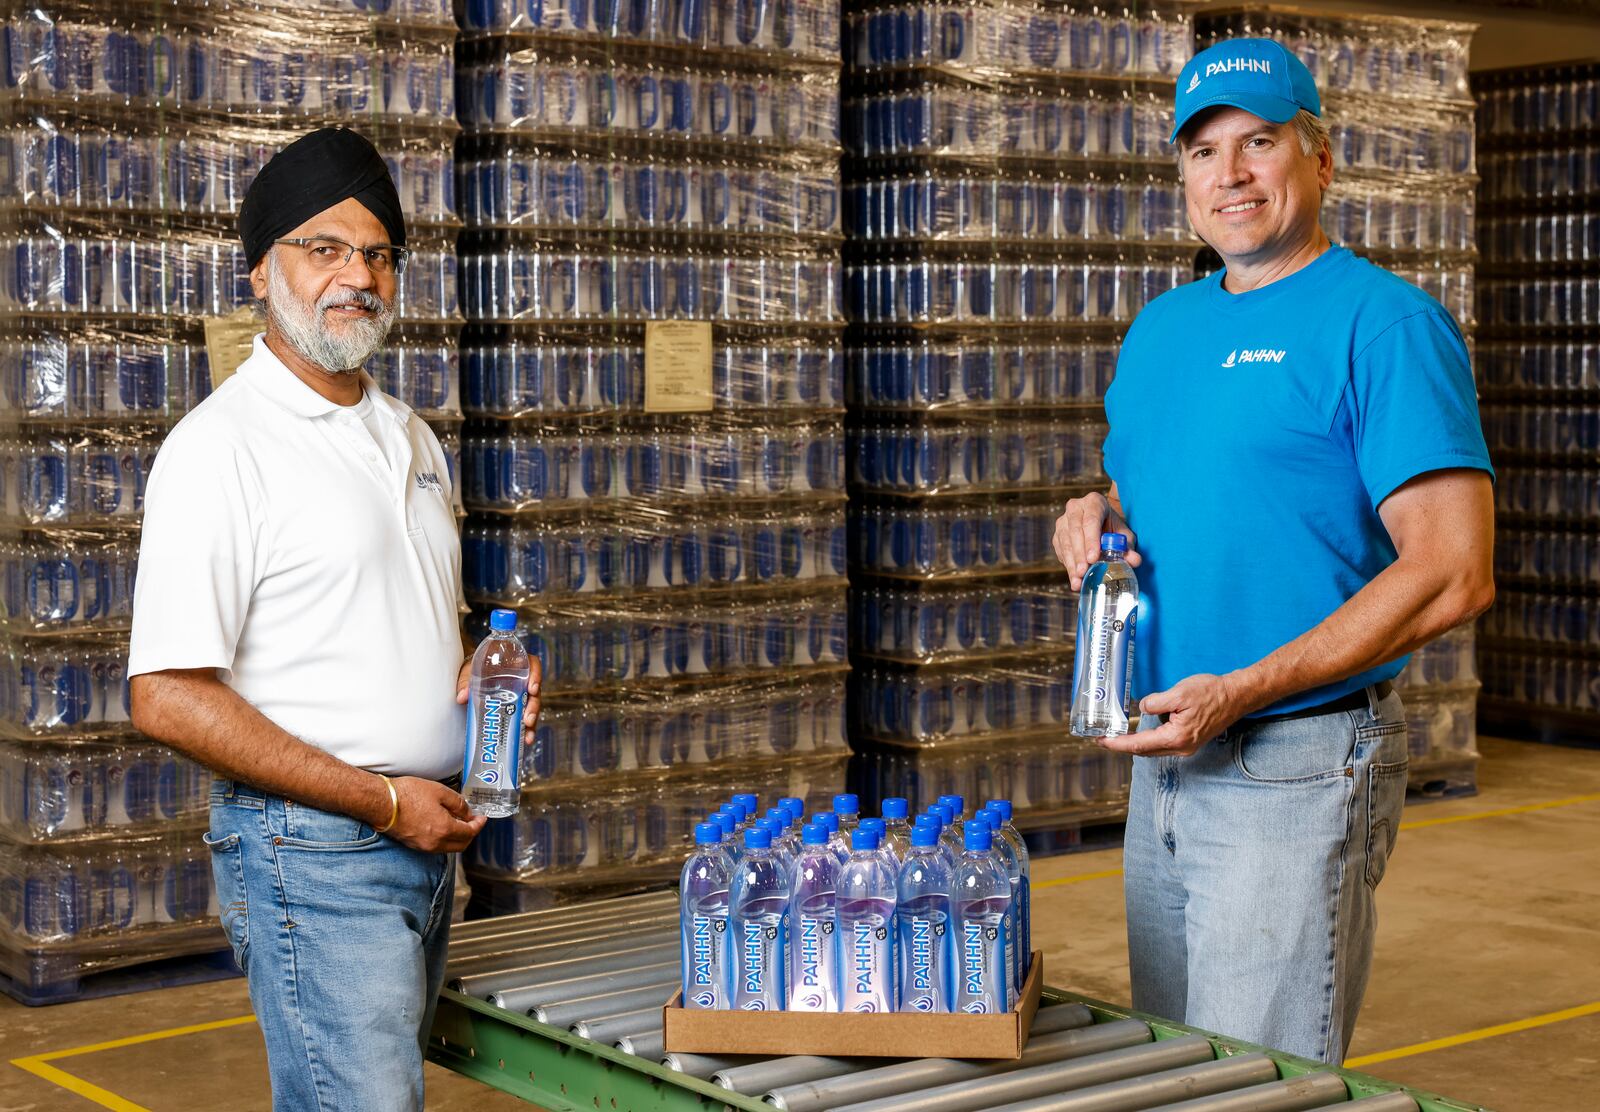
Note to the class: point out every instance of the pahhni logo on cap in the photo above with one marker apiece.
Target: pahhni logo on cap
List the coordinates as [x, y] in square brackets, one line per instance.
[1194, 82]
[1239, 65]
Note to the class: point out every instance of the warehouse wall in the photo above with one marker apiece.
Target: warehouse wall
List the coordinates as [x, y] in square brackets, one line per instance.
[1504, 38]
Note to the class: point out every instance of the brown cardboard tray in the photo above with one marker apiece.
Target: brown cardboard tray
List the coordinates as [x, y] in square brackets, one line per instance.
[856, 1035]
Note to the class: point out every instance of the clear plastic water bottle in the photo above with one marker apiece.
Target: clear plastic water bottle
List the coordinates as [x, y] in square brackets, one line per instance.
[958, 809]
[813, 949]
[758, 917]
[787, 840]
[796, 808]
[1102, 675]
[499, 686]
[865, 905]
[980, 897]
[1022, 906]
[703, 920]
[781, 853]
[897, 835]
[730, 843]
[836, 839]
[923, 921]
[1006, 858]
[950, 833]
[751, 806]
[938, 832]
[880, 829]
[848, 808]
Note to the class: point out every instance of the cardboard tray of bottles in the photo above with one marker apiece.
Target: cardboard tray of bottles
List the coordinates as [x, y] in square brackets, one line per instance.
[856, 1034]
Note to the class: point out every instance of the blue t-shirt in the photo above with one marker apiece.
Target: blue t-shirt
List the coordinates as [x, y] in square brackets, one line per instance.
[1252, 439]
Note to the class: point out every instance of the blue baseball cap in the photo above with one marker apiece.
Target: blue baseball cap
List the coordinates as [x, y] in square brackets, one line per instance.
[1262, 76]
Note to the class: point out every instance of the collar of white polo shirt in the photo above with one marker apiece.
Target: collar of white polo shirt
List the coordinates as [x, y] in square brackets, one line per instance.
[272, 377]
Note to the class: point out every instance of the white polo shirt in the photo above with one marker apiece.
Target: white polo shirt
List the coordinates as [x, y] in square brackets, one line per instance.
[319, 574]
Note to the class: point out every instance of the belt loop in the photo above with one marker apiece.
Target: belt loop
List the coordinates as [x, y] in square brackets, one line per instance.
[1372, 701]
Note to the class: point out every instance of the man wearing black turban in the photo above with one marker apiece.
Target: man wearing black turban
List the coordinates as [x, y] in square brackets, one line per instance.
[297, 630]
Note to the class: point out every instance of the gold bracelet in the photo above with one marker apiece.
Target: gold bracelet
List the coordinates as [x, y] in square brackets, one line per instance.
[394, 806]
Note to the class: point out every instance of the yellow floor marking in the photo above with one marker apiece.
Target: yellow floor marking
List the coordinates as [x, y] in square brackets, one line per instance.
[1474, 1036]
[39, 1064]
[1416, 824]
[1570, 801]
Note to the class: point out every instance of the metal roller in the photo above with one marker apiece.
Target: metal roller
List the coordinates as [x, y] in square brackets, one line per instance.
[1023, 1084]
[758, 1077]
[1153, 1090]
[567, 1012]
[578, 913]
[483, 984]
[926, 1073]
[647, 1046]
[609, 1028]
[524, 998]
[704, 1066]
[1384, 1102]
[1297, 1094]
[527, 937]
[598, 943]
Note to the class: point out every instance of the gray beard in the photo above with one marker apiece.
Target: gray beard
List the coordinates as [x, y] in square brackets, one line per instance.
[341, 349]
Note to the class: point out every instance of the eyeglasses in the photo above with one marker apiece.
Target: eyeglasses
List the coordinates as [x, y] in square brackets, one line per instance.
[325, 253]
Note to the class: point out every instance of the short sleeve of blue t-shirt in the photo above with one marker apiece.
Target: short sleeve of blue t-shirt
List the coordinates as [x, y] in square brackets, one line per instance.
[1252, 439]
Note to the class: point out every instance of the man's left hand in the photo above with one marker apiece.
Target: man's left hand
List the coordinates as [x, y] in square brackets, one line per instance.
[530, 709]
[1195, 711]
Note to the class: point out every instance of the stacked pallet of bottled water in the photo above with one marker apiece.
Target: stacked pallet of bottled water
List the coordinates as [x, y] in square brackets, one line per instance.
[130, 134]
[678, 567]
[840, 913]
[1012, 203]
[1539, 371]
[1401, 117]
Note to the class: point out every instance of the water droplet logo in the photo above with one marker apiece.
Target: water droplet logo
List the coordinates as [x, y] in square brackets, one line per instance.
[705, 999]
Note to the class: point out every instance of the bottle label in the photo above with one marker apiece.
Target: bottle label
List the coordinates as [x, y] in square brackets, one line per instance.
[705, 962]
[922, 991]
[759, 980]
[499, 739]
[813, 989]
[983, 967]
[866, 976]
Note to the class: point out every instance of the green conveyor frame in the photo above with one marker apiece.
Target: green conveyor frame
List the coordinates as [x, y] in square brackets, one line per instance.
[557, 1070]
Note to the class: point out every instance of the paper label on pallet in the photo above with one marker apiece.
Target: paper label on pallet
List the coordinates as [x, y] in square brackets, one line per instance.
[677, 366]
[229, 341]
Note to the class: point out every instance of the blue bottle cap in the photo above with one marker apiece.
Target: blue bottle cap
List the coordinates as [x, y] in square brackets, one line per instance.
[773, 827]
[1115, 542]
[724, 822]
[830, 820]
[707, 834]
[846, 804]
[748, 801]
[929, 820]
[781, 816]
[925, 834]
[795, 807]
[502, 621]
[814, 834]
[956, 804]
[737, 810]
[977, 837]
[757, 837]
[877, 826]
[1001, 805]
[863, 839]
[945, 812]
[895, 808]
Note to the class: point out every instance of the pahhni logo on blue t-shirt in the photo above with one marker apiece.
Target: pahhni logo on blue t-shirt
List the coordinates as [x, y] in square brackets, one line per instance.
[1254, 355]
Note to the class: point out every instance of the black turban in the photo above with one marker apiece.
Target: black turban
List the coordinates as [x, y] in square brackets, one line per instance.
[314, 173]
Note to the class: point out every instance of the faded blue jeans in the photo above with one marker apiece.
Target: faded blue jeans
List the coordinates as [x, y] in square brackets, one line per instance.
[342, 934]
[1250, 873]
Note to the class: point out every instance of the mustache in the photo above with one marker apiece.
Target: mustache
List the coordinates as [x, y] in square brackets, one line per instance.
[364, 299]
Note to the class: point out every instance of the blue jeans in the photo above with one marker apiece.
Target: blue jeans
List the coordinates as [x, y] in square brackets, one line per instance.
[341, 933]
[1250, 872]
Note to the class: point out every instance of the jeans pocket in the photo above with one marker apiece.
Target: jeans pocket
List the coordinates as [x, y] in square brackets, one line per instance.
[227, 874]
[1296, 750]
[1386, 793]
[309, 828]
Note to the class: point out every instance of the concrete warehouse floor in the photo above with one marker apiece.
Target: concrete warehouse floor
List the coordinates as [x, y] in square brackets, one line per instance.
[1490, 917]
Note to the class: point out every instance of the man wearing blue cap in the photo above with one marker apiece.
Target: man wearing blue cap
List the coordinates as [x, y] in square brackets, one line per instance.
[1299, 468]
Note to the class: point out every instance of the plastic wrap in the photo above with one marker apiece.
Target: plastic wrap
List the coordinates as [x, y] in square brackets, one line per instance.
[93, 792]
[1005, 457]
[626, 825]
[66, 583]
[64, 687]
[980, 373]
[1045, 292]
[966, 543]
[1540, 396]
[908, 625]
[1050, 780]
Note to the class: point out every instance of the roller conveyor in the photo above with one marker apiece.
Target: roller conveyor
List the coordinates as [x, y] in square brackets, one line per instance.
[594, 978]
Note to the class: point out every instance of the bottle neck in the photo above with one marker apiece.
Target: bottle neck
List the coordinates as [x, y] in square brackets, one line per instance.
[1111, 556]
